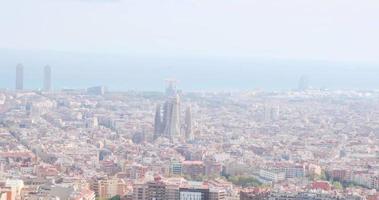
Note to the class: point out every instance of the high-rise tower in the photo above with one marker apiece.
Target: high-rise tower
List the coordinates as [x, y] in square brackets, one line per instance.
[168, 125]
[47, 78]
[188, 125]
[19, 77]
[171, 111]
[172, 126]
[158, 122]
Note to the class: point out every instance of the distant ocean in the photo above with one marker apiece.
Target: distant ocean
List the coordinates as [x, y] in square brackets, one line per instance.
[122, 73]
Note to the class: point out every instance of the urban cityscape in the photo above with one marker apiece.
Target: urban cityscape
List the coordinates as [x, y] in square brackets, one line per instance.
[86, 144]
[189, 100]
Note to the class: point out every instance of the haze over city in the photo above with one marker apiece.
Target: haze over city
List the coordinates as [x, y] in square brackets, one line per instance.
[262, 44]
[189, 100]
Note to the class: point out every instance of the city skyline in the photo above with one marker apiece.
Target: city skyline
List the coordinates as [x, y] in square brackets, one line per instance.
[189, 100]
[259, 75]
[209, 146]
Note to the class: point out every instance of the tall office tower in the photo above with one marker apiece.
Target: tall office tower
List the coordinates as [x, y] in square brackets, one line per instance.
[47, 78]
[172, 126]
[19, 77]
[188, 125]
[303, 83]
[157, 122]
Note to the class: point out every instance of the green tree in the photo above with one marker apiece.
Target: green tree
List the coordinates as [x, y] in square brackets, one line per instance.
[117, 197]
[245, 181]
[323, 176]
[337, 185]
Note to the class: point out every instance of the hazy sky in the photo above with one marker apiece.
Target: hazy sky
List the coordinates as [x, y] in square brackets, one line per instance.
[333, 30]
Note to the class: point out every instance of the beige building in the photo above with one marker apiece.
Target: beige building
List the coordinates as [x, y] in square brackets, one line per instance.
[108, 188]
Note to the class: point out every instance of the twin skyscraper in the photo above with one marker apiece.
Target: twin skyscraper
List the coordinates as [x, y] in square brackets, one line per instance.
[20, 78]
